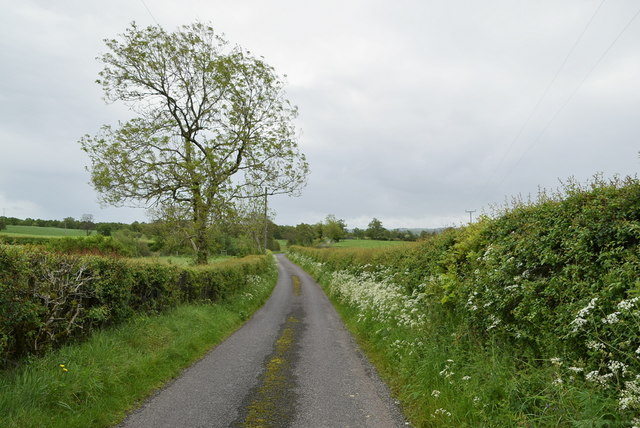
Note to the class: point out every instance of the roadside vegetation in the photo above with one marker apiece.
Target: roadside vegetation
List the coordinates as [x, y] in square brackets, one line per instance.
[528, 318]
[96, 382]
[48, 298]
[369, 243]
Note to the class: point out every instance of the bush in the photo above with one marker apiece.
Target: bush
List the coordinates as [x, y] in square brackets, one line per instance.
[49, 298]
[554, 281]
[90, 245]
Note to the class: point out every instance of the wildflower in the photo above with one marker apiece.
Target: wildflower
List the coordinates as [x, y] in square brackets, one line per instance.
[466, 378]
[441, 411]
[596, 346]
[435, 393]
[630, 396]
[556, 361]
[585, 311]
[576, 369]
[558, 381]
[611, 318]
[638, 350]
[617, 366]
[596, 377]
[625, 305]
[495, 321]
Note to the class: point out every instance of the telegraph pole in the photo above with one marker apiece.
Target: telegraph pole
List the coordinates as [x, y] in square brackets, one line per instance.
[470, 214]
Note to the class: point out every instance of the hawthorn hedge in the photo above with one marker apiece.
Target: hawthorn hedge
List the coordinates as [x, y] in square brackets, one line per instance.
[557, 277]
[47, 299]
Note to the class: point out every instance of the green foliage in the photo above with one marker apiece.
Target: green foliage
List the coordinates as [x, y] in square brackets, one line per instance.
[103, 378]
[375, 230]
[48, 298]
[334, 229]
[3, 224]
[551, 286]
[368, 243]
[188, 161]
[94, 244]
[25, 240]
[104, 229]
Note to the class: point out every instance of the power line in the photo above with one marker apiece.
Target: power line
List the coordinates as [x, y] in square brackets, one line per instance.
[151, 14]
[562, 107]
[544, 94]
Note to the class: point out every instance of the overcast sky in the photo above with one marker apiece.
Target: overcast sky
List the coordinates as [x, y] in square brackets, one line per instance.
[411, 111]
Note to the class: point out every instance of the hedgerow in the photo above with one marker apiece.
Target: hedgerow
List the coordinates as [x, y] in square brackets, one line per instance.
[554, 284]
[49, 298]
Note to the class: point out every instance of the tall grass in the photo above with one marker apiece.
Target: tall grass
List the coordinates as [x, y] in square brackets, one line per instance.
[94, 384]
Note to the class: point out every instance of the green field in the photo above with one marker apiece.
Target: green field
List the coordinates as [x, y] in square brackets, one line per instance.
[368, 243]
[41, 231]
[283, 245]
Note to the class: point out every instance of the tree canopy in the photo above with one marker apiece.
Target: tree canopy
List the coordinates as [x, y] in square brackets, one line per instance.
[212, 125]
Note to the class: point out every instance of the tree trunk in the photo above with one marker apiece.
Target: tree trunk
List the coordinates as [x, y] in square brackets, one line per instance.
[200, 215]
[202, 250]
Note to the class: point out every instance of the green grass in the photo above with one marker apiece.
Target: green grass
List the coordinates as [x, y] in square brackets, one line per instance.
[283, 245]
[41, 231]
[368, 243]
[114, 370]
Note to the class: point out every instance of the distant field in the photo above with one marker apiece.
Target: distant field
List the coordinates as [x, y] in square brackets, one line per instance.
[283, 245]
[368, 243]
[41, 231]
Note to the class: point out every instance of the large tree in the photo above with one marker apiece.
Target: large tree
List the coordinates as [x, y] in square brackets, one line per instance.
[334, 229]
[376, 230]
[212, 123]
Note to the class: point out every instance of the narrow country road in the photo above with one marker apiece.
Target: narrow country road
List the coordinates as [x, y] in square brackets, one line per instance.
[292, 365]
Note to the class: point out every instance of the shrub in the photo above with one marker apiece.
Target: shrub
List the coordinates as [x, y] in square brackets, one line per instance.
[94, 244]
[552, 281]
[49, 298]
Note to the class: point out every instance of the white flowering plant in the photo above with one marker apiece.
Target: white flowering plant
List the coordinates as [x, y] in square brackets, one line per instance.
[550, 281]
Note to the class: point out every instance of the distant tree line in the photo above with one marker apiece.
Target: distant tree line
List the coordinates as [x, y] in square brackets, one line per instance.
[83, 223]
[335, 230]
[235, 233]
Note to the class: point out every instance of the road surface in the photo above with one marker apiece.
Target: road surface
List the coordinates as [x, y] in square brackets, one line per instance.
[292, 364]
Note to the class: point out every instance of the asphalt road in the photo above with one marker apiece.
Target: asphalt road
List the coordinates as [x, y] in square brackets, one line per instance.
[292, 364]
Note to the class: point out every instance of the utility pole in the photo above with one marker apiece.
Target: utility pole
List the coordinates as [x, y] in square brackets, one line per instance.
[266, 220]
[470, 214]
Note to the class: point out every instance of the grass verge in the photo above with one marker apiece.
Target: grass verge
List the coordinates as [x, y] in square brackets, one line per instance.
[444, 376]
[95, 383]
